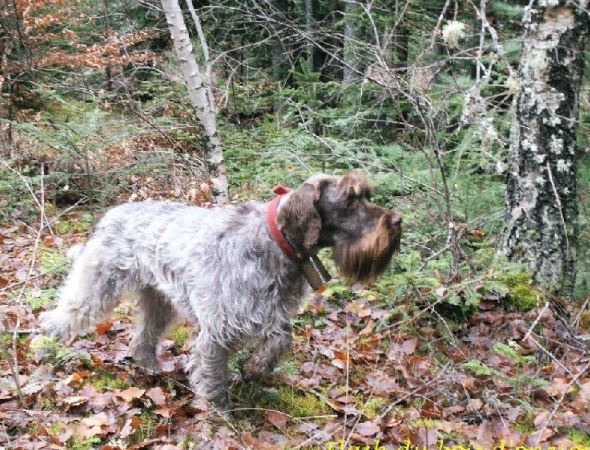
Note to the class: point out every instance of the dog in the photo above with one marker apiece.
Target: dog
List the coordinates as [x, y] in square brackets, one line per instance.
[239, 273]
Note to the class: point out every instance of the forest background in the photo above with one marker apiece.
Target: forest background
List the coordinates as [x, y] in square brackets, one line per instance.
[456, 344]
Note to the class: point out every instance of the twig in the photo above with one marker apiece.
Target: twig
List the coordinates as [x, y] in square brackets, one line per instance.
[438, 22]
[24, 331]
[576, 319]
[534, 324]
[553, 358]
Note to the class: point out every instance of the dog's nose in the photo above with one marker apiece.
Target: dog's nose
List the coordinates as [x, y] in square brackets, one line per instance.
[396, 219]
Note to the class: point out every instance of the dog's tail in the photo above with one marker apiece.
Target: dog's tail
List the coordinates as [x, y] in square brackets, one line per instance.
[89, 293]
[75, 251]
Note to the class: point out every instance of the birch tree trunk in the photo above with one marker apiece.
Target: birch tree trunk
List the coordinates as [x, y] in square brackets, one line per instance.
[541, 210]
[198, 80]
[349, 74]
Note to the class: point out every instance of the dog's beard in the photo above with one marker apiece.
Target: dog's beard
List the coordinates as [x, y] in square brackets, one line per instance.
[364, 260]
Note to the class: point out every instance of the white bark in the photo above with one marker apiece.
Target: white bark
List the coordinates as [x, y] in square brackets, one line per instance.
[200, 93]
[541, 211]
[350, 69]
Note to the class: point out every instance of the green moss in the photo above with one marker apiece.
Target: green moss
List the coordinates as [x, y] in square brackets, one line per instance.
[518, 287]
[77, 443]
[513, 352]
[282, 398]
[524, 297]
[40, 298]
[49, 405]
[525, 427]
[237, 362]
[338, 291]
[103, 380]
[50, 350]
[478, 368]
[289, 366]
[52, 260]
[180, 335]
[579, 437]
[425, 423]
[56, 427]
[373, 407]
[147, 427]
[301, 405]
[74, 225]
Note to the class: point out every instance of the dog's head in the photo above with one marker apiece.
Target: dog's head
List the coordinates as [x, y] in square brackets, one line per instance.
[336, 211]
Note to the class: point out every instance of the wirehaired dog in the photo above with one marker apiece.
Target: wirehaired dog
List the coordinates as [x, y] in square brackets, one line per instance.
[238, 273]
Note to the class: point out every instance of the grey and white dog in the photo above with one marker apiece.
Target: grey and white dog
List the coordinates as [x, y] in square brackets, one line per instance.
[224, 269]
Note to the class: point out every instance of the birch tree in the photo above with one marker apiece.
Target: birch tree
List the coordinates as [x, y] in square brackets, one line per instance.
[199, 83]
[541, 210]
[349, 69]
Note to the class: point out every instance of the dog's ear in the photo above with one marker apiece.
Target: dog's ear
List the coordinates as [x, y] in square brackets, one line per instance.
[354, 184]
[299, 218]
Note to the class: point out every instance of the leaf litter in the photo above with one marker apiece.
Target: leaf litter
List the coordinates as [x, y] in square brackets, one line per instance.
[353, 377]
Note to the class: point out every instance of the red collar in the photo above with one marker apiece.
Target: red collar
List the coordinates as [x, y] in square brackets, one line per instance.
[273, 226]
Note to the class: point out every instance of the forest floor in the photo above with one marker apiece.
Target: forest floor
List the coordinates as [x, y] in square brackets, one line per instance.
[364, 371]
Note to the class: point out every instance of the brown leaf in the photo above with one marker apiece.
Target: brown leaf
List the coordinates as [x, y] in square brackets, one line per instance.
[367, 428]
[585, 392]
[92, 426]
[365, 312]
[559, 386]
[343, 356]
[475, 404]
[431, 410]
[97, 420]
[368, 329]
[485, 436]
[156, 395]
[278, 419]
[75, 400]
[382, 383]
[541, 419]
[65, 435]
[132, 424]
[163, 412]
[130, 394]
[469, 383]
[401, 349]
[338, 363]
[103, 327]
[76, 378]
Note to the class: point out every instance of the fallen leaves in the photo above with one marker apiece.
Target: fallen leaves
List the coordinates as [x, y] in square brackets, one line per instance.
[379, 382]
[278, 419]
[130, 394]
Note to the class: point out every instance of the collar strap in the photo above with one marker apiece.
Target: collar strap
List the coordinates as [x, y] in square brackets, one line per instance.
[273, 226]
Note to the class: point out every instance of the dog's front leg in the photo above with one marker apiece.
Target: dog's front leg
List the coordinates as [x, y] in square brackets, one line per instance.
[268, 353]
[208, 372]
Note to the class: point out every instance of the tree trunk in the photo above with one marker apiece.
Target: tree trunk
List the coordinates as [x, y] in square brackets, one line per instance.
[310, 29]
[199, 87]
[279, 50]
[541, 210]
[349, 69]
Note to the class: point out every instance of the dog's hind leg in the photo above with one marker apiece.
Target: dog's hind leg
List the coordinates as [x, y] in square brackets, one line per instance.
[155, 316]
[91, 290]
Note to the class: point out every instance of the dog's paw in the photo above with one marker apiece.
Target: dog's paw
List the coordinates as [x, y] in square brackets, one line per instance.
[55, 324]
[254, 371]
